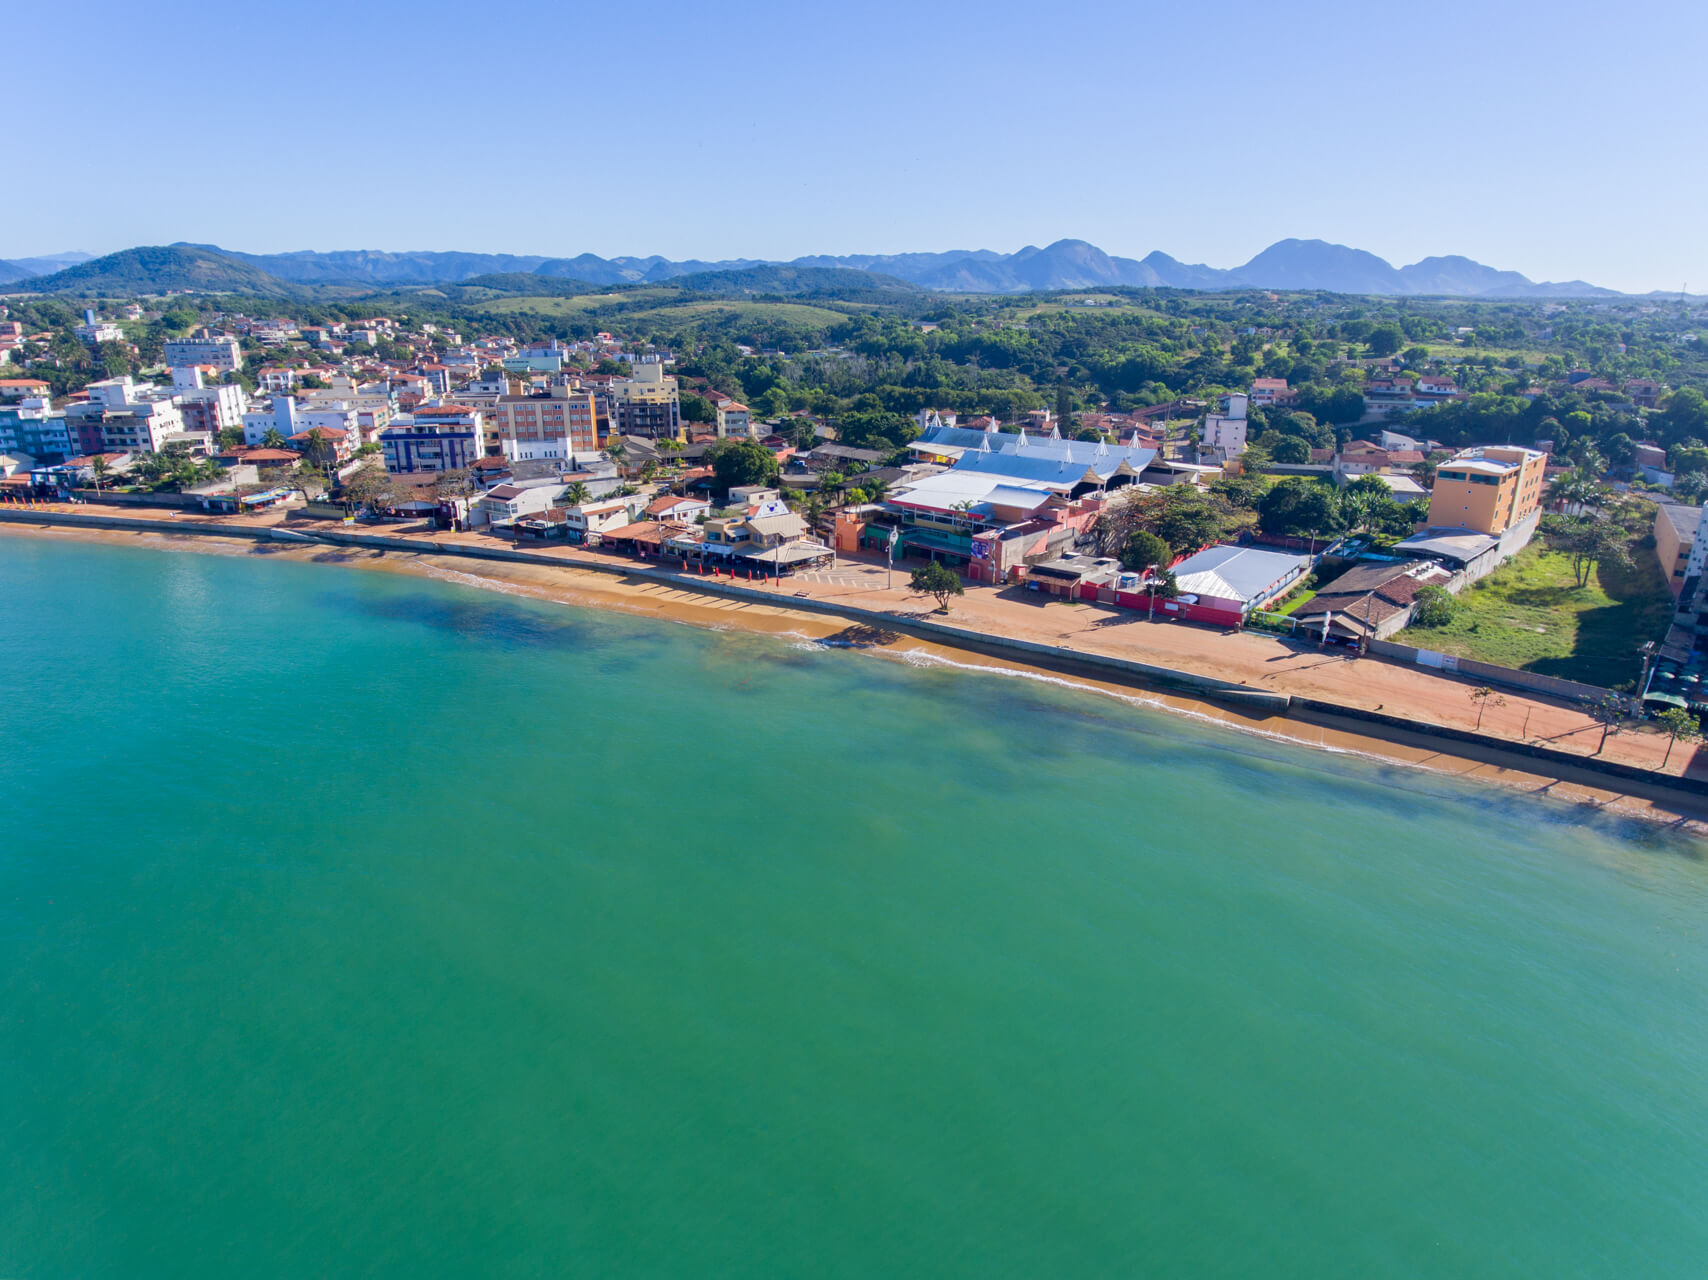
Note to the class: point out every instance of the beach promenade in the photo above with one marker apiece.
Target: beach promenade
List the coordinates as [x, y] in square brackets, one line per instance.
[1319, 682]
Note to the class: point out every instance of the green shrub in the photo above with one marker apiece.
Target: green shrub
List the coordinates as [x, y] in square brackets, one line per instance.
[1434, 608]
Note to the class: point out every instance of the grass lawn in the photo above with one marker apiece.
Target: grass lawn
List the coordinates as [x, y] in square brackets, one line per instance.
[793, 312]
[1292, 603]
[580, 304]
[1453, 351]
[630, 305]
[1531, 614]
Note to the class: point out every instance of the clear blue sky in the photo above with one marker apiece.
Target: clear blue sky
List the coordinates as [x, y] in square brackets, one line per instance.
[1562, 139]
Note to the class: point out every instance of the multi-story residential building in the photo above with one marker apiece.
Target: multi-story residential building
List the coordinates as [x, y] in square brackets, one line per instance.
[372, 402]
[288, 419]
[95, 331]
[36, 428]
[646, 403]
[558, 424]
[325, 446]
[208, 408]
[1226, 431]
[222, 353]
[277, 378]
[122, 417]
[431, 446]
[544, 357]
[596, 517]
[1489, 488]
[510, 502]
[1267, 392]
[438, 378]
[1676, 532]
[734, 420]
[1434, 387]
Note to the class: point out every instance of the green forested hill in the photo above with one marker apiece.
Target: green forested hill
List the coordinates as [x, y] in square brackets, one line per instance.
[158, 269]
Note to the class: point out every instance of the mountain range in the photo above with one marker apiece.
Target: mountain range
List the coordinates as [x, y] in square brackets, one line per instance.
[23, 268]
[1066, 264]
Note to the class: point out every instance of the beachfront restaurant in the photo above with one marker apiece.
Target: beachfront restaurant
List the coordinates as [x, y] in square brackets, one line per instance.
[787, 557]
[243, 503]
[1220, 585]
[1075, 577]
[645, 538]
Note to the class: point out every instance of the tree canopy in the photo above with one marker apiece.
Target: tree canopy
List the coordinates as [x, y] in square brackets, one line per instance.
[738, 463]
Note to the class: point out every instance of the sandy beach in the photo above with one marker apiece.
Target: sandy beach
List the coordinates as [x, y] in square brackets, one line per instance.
[1257, 660]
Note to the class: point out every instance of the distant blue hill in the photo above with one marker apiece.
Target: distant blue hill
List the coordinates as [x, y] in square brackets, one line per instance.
[1066, 264]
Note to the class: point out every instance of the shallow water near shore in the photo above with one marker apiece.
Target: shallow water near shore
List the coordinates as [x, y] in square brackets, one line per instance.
[359, 923]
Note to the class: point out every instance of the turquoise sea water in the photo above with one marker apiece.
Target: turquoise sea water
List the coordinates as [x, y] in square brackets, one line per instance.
[361, 925]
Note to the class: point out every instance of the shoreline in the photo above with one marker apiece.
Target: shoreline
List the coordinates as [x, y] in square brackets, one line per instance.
[1324, 728]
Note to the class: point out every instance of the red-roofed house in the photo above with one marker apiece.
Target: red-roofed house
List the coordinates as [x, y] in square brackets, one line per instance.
[671, 508]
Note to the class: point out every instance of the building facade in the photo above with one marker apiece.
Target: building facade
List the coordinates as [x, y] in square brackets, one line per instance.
[223, 354]
[646, 403]
[431, 446]
[1489, 488]
[1676, 533]
[556, 425]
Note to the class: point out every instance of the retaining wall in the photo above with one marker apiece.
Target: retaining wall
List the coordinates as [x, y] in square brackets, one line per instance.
[106, 499]
[1562, 764]
[1510, 677]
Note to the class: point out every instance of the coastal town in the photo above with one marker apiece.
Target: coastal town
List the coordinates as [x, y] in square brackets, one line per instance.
[698, 669]
[600, 452]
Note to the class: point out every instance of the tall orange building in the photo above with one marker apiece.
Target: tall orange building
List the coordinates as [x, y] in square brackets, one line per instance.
[1489, 488]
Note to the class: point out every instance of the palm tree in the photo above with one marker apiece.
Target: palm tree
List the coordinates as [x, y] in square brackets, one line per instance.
[877, 490]
[577, 494]
[100, 470]
[1574, 491]
[273, 439]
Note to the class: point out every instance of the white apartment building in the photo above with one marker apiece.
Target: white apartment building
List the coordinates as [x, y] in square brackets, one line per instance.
[132, 418]
[510, 502]
[221, 353]
[95, 332]
[1226, 430]
[211, 408]
[734, 420]
[288, 419]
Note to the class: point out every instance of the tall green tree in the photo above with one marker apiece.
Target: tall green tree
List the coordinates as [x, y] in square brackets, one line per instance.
[738, 463]
[1299, 506]
[1679, 722]
[1145, 550]
[938, 581]
[1385, 340]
